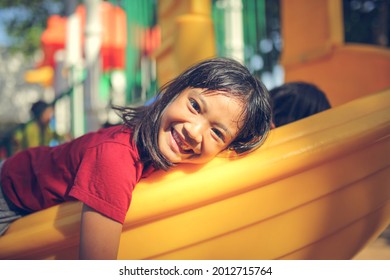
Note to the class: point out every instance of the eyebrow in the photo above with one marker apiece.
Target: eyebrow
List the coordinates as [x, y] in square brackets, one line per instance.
[218, 124]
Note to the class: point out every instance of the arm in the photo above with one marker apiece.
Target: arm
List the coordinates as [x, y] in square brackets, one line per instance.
[100, 235]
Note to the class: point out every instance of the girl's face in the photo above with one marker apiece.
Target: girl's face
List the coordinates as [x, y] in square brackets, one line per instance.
[195, 127]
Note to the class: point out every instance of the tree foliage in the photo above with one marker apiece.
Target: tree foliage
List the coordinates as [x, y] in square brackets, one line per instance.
[366, 21]
[26, 20]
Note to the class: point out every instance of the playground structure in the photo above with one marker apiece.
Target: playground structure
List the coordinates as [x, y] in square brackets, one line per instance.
[315, 51]
[317, 189]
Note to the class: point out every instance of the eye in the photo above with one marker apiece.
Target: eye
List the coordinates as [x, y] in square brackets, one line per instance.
[195, 105]
[219, 134]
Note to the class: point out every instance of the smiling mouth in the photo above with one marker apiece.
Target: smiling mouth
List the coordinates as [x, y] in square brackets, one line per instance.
[183, 146]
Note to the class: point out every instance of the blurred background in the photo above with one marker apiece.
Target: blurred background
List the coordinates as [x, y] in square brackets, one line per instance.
[81, 57]
[63, 64]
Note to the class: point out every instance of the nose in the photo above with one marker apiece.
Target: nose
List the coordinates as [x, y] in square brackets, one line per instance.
[194, 131]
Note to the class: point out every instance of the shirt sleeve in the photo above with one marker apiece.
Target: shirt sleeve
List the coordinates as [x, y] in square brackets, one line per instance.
[105, 180]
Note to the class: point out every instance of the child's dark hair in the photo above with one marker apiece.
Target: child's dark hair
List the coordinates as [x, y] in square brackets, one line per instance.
[296, 100]
[225, 75]
[38, 108]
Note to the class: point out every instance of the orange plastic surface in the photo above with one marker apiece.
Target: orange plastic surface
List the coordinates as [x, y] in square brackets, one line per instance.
[187, 33]
[314, 51]
[317, 189]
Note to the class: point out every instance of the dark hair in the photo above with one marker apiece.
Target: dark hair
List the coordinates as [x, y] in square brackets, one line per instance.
[38, 108]
[296, 100]
[222, 74]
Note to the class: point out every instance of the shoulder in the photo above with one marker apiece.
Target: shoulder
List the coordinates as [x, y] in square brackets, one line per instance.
[113, 142]
[113, 135]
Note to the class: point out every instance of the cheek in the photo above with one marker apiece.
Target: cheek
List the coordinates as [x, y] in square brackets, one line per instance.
[165, 119]
[169, 112]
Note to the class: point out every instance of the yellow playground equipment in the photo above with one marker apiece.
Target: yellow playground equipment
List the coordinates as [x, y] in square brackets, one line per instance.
[317, 189]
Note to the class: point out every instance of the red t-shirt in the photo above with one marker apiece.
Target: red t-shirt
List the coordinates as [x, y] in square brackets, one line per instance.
[100, 169]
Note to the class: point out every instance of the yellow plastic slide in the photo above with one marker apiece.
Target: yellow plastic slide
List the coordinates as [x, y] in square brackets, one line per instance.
[318, 189]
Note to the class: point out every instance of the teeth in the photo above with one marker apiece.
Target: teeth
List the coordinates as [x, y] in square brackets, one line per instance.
[182, 145]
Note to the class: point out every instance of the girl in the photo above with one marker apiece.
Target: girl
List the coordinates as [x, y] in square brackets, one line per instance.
[214, 106]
